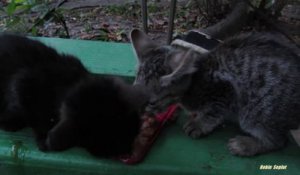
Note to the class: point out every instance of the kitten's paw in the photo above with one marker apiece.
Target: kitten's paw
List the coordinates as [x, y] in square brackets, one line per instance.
[194, 129]
[243, 146]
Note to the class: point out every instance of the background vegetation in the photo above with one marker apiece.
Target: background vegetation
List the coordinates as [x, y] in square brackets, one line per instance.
[99, 20]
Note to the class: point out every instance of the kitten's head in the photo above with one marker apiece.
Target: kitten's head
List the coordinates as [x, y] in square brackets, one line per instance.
[162, 69]
[101, 116]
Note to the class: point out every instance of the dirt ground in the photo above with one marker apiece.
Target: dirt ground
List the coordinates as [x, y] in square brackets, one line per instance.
[112, 20]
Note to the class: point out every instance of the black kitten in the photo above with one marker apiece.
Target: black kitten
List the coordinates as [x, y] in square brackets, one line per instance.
[253, 79]
[63, 102]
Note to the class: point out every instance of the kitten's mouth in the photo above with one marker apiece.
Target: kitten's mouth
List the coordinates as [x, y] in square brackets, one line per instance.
[156, 106]
[150, 129]
[153, 107]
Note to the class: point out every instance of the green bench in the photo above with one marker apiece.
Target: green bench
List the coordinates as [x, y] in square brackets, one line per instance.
[173, 153]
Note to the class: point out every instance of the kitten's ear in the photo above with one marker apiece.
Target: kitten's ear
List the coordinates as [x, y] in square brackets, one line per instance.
[140, 43]
[183, 66]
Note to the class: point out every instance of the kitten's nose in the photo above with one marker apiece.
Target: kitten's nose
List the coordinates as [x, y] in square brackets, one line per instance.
[152, 106]
[152, 103]
[149, 108]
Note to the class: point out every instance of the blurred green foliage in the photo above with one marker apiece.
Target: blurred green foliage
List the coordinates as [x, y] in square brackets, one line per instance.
[24, 16]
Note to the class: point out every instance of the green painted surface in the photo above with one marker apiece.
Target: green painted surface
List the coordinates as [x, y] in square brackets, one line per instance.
[173, 153]
[99, 57]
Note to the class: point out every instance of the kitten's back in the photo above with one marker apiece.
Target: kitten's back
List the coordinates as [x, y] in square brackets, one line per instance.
[265, 71]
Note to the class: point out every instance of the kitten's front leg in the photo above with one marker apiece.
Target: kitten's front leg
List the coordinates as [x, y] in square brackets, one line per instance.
[203, 122]
[40, 138]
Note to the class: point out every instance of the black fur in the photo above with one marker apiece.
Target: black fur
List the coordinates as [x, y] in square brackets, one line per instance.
[62, 101]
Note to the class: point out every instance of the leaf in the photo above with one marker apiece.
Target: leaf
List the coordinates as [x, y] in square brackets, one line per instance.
[103, 32]
[23, 8]
[11, 8]
[20, 1]
[39, 8]
[13, 22]
[34, 31]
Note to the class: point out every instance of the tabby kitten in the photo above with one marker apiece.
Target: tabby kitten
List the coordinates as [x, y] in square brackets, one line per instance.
[253, 79]
[64, 103]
